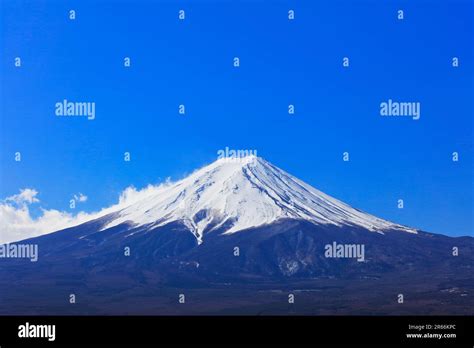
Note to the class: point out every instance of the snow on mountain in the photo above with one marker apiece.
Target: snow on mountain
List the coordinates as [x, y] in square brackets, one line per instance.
[234, 194]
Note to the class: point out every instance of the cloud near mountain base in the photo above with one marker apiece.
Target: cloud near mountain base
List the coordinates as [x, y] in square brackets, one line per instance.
[17, 223]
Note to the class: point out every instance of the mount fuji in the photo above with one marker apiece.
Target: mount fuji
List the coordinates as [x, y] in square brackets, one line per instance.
[244, 232]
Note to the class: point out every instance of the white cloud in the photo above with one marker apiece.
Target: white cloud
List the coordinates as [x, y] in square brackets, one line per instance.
[16, 222]
[131, 195]
[26, 196]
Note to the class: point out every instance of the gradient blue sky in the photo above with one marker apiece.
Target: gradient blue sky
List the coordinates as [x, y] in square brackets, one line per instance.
[282, 62]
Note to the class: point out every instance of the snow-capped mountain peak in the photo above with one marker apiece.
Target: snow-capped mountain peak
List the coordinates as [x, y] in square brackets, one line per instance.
[233, 194]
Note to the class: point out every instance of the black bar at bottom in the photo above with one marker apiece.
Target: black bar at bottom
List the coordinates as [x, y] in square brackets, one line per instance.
[291, 331]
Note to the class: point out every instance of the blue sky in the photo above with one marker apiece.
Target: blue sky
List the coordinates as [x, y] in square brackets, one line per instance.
[283, 62]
